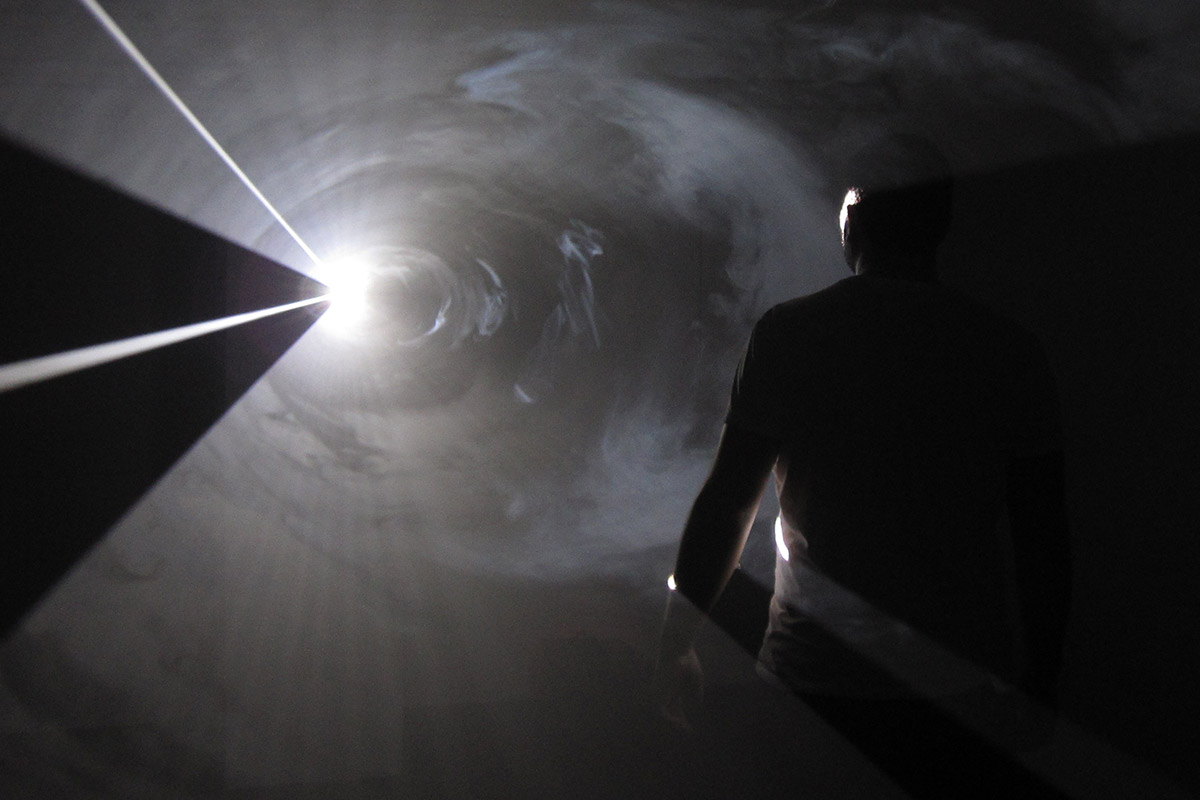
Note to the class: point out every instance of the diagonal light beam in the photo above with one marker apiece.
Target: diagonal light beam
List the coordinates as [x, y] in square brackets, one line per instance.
[144, 64]
[33, 370]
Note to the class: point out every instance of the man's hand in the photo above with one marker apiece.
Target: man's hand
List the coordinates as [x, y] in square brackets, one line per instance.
[679, 689]
[712, 542]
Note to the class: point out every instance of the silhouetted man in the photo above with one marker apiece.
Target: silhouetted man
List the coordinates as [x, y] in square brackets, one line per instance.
[900, 420]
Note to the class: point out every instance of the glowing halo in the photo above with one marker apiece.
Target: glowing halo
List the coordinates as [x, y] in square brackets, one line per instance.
[349, 282]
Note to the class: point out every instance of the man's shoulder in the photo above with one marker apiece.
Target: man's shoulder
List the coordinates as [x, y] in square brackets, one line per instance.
[859, 292]
[818, 302]
[897, 310]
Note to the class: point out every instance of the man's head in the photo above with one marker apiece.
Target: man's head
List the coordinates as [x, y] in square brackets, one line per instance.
[898, 206]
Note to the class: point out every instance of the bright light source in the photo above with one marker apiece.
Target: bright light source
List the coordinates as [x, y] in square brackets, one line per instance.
[782, 545]
[349, 282]
[671, 582]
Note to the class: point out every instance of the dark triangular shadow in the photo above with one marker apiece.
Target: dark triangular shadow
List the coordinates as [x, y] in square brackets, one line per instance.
[82, 265]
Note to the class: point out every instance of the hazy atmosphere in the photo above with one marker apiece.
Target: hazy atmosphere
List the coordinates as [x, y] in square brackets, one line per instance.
[460, 499]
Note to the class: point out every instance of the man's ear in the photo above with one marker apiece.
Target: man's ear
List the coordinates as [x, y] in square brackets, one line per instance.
[850, 244]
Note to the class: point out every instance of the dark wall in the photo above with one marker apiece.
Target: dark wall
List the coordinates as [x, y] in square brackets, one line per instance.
[1097, 255]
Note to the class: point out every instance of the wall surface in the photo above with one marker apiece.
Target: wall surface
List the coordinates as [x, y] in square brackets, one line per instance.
[426, 551]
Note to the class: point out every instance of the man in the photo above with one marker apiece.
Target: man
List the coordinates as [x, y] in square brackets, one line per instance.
[900, 420]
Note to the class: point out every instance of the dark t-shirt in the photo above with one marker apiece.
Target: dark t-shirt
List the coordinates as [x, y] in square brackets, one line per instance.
[897, 406]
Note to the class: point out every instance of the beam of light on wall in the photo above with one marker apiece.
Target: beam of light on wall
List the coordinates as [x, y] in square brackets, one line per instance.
[1074, 761]
[146, 67]
[33, 370]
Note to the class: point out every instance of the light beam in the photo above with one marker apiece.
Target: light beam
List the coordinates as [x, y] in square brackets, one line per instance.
[33, 370]
[144, 64]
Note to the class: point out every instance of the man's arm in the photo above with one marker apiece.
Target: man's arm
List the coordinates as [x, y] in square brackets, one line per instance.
[709, 550]
[721, 516]
[1042, 553]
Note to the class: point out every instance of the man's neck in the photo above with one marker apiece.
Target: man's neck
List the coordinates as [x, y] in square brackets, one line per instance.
[899, 267]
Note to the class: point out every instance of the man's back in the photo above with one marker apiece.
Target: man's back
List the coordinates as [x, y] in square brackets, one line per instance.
[900, 419]
[897, 406]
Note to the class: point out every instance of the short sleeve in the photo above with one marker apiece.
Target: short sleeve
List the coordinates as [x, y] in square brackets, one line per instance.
[754, 398]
